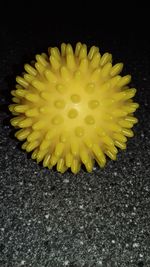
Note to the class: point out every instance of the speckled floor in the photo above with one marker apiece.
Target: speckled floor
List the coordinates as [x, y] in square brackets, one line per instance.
[99, 219]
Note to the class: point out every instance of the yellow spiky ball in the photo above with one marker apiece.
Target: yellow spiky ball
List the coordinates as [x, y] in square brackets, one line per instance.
[73, 107]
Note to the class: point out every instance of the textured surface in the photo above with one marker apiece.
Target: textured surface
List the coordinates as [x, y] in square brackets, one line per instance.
[99, 219]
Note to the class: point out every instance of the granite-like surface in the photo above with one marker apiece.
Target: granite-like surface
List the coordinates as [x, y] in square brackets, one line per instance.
[101, 219]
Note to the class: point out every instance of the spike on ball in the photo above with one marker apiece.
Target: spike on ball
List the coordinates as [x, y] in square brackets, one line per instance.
[73, 108]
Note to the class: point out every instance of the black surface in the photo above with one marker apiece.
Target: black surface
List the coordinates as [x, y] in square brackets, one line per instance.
[99, 219]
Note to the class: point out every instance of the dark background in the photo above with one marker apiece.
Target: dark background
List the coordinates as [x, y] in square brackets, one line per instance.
[99, 219]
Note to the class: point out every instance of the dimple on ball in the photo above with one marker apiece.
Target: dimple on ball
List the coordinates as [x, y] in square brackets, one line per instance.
[73, 108]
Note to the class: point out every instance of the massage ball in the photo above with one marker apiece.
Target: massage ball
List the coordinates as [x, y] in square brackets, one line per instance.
[72, 108]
